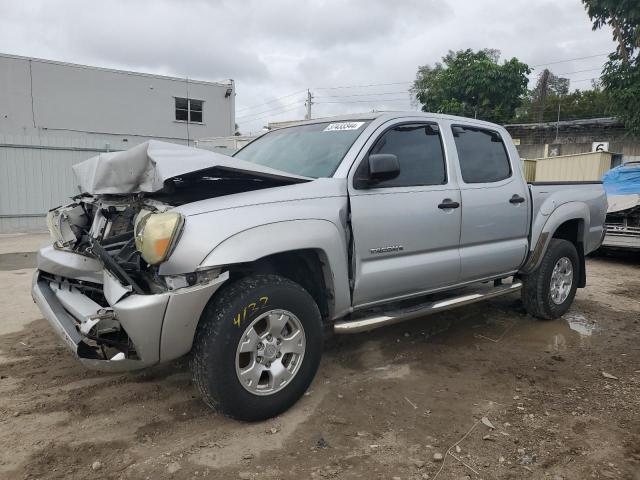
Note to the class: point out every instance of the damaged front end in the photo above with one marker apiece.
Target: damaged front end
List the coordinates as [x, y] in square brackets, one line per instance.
[98, 284]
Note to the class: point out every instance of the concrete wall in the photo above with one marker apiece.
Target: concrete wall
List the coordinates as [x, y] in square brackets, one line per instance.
[574, 137]
[41, 97]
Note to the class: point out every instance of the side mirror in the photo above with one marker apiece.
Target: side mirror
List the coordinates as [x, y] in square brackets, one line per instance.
[383, 166]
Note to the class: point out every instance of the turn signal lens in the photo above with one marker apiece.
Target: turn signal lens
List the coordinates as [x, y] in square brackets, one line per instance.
[155, 234]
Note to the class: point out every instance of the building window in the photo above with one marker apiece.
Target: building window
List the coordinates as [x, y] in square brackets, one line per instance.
[188, 109]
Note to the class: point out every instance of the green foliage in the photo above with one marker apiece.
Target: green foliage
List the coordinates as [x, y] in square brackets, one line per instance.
[624, 18]
[621, 75]
[472, 84]
[622, 82]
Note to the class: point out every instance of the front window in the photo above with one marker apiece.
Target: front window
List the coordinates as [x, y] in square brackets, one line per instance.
[418, 148]
[313, 150]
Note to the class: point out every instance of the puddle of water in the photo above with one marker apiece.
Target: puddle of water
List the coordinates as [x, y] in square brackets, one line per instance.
[556, 336]
[581, 324]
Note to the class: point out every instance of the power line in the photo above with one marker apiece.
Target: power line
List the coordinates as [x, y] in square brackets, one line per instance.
[570, 60]
[297, 102]
[585, 79]
[362, 94]
[274, 100]
[575, 71]
[270, 114]
[381, 100]
[362, 86]
[579, 71]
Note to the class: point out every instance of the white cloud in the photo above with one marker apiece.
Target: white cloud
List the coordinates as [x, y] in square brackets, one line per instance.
[274, 48]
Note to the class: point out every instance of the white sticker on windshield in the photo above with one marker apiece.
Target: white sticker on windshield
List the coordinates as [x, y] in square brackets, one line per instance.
[340, 127]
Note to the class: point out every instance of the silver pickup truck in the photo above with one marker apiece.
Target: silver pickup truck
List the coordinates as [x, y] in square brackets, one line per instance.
[336, 225]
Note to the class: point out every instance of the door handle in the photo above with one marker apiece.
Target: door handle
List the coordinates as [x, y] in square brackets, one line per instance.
[516, 199]
[448, 203]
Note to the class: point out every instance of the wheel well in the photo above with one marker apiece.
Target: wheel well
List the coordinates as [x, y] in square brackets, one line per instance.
[308, 268]
[572, 231]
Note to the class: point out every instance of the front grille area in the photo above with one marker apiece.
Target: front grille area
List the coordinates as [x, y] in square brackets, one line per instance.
[94, 291]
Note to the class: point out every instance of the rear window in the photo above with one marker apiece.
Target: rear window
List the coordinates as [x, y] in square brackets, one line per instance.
[482, 155]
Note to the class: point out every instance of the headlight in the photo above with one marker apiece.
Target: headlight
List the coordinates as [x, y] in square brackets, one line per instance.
[156, 234]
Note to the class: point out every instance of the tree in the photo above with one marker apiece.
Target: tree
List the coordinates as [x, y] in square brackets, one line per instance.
[621, 74]
[472, 84]
[547, 84]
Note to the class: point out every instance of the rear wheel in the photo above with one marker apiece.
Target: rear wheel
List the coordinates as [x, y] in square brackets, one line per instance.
[548, 292]
[257, 347]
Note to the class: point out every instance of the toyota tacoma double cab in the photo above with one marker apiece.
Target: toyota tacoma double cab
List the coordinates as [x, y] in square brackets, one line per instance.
[336, 225]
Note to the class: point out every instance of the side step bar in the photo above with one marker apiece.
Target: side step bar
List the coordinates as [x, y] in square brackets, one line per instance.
[423, 309]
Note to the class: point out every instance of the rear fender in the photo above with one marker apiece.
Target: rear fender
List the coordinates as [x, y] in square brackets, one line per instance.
[544, 227]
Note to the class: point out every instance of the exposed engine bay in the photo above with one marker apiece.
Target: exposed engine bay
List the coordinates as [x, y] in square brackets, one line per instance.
[106, 226]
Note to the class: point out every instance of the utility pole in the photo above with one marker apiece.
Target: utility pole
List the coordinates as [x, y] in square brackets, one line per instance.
[308, 104]
[558, 121]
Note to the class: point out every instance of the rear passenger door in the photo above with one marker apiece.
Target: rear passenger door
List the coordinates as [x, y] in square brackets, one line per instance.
[406, 230]
[495, 203]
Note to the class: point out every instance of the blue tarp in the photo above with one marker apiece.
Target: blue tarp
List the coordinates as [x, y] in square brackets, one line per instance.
[622, 180]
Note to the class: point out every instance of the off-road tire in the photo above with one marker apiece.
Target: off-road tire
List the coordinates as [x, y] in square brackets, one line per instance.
[536, 290]
[213, 359]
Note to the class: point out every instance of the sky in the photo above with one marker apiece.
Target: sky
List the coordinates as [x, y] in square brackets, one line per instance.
[353, 56]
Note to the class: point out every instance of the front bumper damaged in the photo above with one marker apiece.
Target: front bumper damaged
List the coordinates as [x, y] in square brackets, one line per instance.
[156, 327]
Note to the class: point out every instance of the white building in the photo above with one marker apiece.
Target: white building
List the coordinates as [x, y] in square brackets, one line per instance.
[43, 97]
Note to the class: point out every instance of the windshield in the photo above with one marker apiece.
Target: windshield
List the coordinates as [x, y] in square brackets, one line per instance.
[313, 150]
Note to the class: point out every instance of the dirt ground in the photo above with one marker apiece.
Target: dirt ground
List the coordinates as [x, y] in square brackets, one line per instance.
[383, 405]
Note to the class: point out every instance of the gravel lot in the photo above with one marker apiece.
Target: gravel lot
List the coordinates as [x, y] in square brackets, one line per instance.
[403, 402]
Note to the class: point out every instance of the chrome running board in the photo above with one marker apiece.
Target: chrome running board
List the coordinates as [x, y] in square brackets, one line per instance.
[423, 309]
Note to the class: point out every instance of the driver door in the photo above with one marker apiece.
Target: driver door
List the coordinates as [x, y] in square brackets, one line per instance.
[406, 230]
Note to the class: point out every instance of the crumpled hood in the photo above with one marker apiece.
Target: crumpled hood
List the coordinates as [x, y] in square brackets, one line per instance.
[146, 168]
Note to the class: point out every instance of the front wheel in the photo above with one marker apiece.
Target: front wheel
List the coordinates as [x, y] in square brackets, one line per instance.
[548, 292]
[257, 347]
